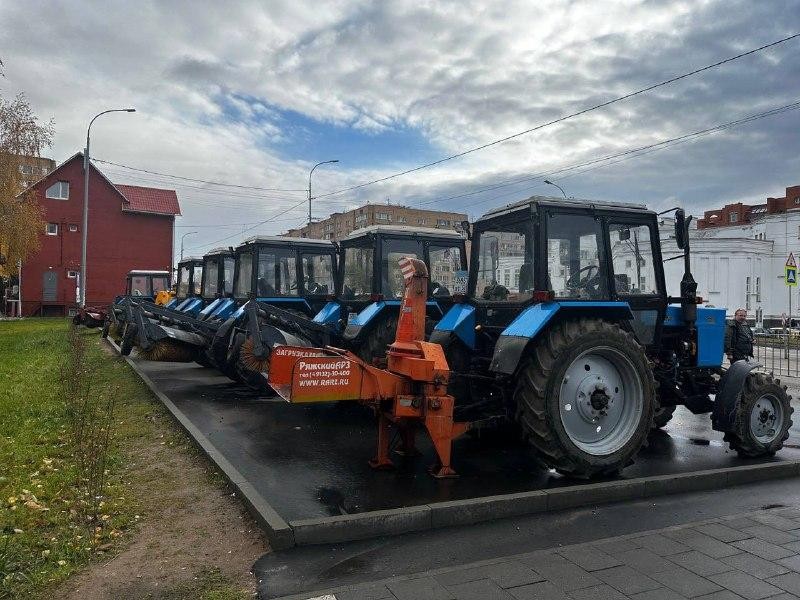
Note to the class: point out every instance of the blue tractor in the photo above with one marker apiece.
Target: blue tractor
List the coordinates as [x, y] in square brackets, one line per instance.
[266, 268]
[567, 330]
[362, 315]
[140, 285]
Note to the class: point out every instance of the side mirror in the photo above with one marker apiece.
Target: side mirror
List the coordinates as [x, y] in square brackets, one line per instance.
[466, 229]
[680, 228]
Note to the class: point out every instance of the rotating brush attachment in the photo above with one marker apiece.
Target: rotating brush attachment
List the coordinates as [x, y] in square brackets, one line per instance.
[249, 361]
[168, 350]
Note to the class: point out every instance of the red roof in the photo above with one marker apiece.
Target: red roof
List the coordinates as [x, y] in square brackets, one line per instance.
[149, 200]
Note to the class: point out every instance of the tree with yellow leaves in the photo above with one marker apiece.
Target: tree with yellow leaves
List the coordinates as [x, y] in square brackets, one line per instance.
[21, 135]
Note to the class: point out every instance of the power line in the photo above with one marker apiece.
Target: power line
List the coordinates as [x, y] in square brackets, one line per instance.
[272, 218]
[563, 118]
[641, 151]
[221, 183]
[667, 142]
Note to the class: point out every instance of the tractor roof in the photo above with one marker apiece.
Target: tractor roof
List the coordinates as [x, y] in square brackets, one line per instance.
[189, 259]
[283, 239]
[145, 272]
[405, 230]
[565, 203]
[217, 251]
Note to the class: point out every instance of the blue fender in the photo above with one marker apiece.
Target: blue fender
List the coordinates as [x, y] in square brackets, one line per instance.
[210, 308]
[531, 322]
[194, 307]
[459, 321]
[225, 308]
[730, 389]
[330, 314]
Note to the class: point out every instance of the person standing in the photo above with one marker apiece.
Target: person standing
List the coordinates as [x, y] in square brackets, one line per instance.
[739, 337]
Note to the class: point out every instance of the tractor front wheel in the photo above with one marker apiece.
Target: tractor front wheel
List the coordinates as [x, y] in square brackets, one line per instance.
[763, 417]
[585, 398]
[662, 416]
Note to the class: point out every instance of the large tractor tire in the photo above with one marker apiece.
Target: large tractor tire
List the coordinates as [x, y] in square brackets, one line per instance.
[662, 416]
[585, 398]
[377, 340]
[763, 417]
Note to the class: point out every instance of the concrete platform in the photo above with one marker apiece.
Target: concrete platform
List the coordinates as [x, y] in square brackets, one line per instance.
[303, 469]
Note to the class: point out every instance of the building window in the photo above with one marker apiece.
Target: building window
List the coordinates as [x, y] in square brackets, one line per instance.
[421, 221]
[401, 219]
[72, 274]
[383, 216]
[360, 219]
[733, 217]
[58, 191]
[26, 169]
[51, 229]
[73, 228]
[797, 200]
[747, 293]
[442, 223]
[758, 289]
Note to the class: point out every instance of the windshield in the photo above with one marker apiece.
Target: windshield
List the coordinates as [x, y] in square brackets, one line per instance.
[183, 281]
[211, 278]
[574, 265]
[505, 264]
[393, 250]
[197, 279]
[229, 265]
[318, 273]
[277, 273]
[632, 259]
[445, 263]
[244, 277]
[140, 285]
[358, 264]
[160, 282]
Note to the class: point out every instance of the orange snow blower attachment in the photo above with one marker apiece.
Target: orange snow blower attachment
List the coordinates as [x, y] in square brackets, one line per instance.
[410, 392]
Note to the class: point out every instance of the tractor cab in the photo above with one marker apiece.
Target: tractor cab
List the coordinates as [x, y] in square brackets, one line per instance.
[189, 285]
[293, 273]
[217, 284]
[371, 280]
[146, 284]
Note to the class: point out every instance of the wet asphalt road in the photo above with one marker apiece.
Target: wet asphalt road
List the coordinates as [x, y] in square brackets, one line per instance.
[311, 461]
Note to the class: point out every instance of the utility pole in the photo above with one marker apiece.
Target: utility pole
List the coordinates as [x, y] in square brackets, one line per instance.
[183, 237]
[85, 221]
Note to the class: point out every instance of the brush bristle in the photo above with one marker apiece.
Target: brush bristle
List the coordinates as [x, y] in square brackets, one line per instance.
[168, 351]
[250, 361]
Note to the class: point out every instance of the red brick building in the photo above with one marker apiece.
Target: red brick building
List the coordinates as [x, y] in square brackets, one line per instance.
[130, 227]
[739, 214]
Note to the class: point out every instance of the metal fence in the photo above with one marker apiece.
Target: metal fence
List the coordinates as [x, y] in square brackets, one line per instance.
[778, 352]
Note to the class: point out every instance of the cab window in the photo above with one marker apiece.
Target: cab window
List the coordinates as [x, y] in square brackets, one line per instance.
[229, 264]
[318, 273]
[197, 279]
[244, 275]
[393, 250]
[574, 263]
[445, 262]
[210, 284]
[632, 259]
[160, 282]
[140, 285]
[358, 269]
[183, 281]
[277, 273]
[505, 264]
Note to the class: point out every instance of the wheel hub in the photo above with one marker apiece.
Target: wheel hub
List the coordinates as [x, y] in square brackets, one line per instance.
[766, 418]
[600, 399]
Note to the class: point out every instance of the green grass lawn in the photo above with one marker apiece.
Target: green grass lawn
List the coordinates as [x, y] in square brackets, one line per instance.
[43, 538]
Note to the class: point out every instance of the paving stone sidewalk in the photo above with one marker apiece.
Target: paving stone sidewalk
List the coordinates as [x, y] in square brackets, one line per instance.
[750, 556]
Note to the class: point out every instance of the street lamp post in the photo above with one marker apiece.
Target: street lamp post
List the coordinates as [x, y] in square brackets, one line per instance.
[85, 221]
[548, 182]
[183, 237]
[325, 162]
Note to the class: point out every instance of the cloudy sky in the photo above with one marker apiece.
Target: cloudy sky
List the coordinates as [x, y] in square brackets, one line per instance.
[254, 93]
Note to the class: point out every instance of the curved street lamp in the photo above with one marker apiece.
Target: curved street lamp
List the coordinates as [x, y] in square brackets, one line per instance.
[183, 237]
[324, 162]
[548, 182]
[85, 221]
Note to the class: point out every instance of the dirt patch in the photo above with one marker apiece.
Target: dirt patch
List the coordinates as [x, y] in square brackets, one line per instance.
[194, 538]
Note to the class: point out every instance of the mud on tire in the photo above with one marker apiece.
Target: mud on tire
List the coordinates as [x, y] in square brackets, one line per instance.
[763, 417]
[541, 382]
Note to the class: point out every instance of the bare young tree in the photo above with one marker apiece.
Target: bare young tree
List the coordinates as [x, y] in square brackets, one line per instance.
[21, 135]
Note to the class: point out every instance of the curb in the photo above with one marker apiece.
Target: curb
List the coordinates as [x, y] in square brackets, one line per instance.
[279, 533]
[372, 524]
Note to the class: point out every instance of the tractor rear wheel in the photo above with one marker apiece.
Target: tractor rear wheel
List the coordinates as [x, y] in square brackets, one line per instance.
[763, 417]
[662, 416]
[585, 398]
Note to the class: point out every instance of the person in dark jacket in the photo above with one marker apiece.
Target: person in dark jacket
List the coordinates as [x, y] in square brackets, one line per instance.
[739, 337]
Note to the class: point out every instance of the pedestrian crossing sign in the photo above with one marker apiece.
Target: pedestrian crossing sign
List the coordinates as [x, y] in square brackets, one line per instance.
[791, 276]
